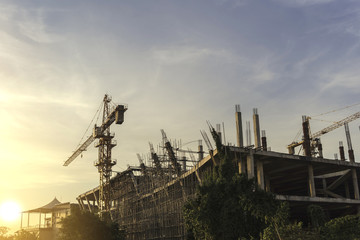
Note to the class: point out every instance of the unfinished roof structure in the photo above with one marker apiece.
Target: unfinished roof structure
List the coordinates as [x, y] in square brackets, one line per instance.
[46, 220]
[147, 200]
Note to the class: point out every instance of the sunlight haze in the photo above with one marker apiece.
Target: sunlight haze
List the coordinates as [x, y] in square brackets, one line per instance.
[175, 64]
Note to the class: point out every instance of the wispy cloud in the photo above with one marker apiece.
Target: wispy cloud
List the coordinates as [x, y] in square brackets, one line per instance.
[29, 23]
[186, 54]
[302, 3]
[349, 80]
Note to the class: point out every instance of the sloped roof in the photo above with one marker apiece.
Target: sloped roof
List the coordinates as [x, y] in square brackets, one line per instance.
[45, 209]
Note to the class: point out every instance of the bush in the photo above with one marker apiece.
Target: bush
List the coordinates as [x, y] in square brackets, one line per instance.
[347, 227]
[82, 225]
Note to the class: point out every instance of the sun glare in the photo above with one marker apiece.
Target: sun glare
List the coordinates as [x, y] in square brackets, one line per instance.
[9, 211]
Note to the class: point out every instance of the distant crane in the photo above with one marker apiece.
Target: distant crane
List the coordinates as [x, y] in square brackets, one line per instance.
[314, 137]
[104, 144]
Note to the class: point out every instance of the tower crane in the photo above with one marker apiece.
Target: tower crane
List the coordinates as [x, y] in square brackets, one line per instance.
[314, 137]
[105, 144]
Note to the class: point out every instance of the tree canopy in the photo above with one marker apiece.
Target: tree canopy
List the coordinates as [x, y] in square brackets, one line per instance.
[24, 235]
[228, 205]
[82, 225]
[231, 206]
[20, 235]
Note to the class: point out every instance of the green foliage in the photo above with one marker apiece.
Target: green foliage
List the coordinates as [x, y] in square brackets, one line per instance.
[82, 225]
[25, 235]
[232, 207]
[228, 210]
[281, 228]
[347, 227]
[228, 205]
[316, 216]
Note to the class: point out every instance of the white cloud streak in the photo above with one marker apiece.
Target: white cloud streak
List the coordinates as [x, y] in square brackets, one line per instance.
[303, 3]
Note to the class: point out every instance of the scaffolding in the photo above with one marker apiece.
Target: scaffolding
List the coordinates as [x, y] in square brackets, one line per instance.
[147, 200]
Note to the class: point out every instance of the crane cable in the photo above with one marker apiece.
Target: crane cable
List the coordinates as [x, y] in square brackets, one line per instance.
[336, 110]
[297, 135]
[87, 129]
[312, 118]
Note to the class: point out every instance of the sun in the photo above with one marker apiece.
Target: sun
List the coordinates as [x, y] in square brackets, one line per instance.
[10, 211]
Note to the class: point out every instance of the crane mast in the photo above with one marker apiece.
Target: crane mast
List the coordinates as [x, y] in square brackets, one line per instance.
[104, 144]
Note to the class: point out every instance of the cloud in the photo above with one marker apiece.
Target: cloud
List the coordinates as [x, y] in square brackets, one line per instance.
[29, 23]
[303, 3]
[234, 3]
[186, 54]
[349, 80]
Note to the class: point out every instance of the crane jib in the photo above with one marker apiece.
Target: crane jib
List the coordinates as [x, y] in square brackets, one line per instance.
[117, 116]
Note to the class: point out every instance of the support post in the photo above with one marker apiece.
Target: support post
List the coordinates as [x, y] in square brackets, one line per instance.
[320, 149]
[200, 150]
[260, 174]
[239, 130]
[250, 164]
[355, 183]
[341, 150]
[306, 143]
[267, 183]
[311, 181]
[263, 140]
[324, 186]
[21, 223]
[256, 128]
[242, 165]
[347, 190]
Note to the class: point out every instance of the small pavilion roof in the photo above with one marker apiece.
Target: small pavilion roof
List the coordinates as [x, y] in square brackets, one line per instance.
[45, 209]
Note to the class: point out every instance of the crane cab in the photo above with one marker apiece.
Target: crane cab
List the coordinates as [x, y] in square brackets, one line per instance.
[97, 132]
[119, 114]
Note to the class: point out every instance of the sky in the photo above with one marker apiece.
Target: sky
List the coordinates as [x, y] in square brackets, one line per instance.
[175, 64]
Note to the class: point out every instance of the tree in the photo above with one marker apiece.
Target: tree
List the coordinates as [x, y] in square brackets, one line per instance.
[316, 216]
[3, 233]
[280, 227]
[228, 205]
[82, 225]
[347, 227]
[25, 235]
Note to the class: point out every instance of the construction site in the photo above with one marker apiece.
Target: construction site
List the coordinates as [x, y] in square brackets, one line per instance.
[147, 200]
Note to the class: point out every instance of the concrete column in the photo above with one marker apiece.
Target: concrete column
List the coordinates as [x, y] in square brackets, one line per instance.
[267, 183]
[218, 131]
[184, 163]
[239, 130]
[311, 181]
[250, 164]
[88, 203]
[320, 149]
[257, 138]
[21, 223]
[324, 186]
[351, 155]
[355, 183]
[341, 150]
[260, 174]
[263, 140]
[306, 142]
[242, 165]
[347, 190]
[200, 151]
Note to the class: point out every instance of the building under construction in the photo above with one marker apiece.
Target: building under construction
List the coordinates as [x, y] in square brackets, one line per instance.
[147, 200]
